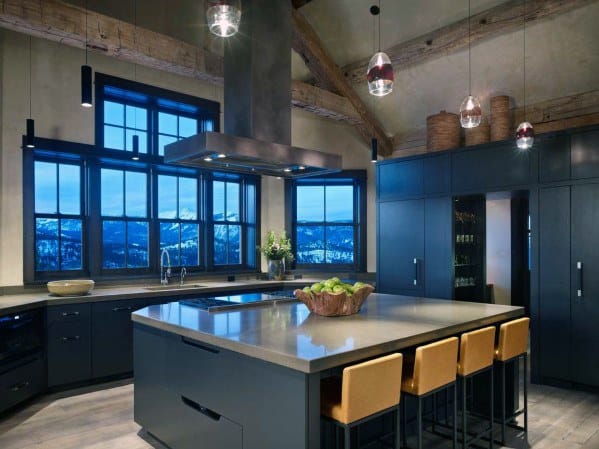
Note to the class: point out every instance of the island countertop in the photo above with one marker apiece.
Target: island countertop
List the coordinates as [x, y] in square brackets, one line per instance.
[287, 334]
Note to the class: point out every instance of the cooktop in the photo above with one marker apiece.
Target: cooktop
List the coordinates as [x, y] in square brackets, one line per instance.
[219, 303]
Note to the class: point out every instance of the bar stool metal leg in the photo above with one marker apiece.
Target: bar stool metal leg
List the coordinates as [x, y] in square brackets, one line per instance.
[419, 423]
[403, 419]
[346, 439]
[503, 404]
[397, 429]
[455, 415]
[491, 417]
[525, 395]
[464, 410]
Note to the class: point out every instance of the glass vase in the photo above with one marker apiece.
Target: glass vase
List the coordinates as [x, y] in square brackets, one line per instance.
[276, 269]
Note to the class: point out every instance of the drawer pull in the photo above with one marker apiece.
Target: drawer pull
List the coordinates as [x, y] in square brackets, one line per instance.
[70, 313]
[199, 346]
[74, 338]
[20, 386]
[122, 309]
[203, 410]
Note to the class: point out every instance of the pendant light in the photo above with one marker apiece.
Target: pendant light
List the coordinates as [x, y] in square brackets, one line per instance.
[86, 74]
[525, 134]
[471, 113]
[380, 70]
[30, 125]
[223, 17]
[135, 152]
[374, 150]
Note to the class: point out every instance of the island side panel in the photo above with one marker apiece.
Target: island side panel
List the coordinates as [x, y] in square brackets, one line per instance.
[269, 403]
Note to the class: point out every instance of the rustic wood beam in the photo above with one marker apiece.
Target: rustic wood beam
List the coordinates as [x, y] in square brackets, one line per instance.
[493, 22]
[308, 45]
[558, 114]
[64, 23]
[299, 3]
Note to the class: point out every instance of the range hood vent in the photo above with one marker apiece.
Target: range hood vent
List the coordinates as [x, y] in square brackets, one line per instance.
[257, 104]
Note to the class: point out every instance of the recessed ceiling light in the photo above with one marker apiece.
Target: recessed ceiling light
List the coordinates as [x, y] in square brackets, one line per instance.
[301, 167]
[286, 170]
[208, 159]
[221, 155]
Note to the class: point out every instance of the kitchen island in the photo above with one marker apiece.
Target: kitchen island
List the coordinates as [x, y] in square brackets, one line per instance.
[250, 377]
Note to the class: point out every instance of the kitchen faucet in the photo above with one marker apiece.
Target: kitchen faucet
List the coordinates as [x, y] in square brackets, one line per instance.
[164, 275]
[182, 276]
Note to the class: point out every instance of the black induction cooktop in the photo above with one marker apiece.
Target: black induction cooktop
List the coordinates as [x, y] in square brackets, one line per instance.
[220, 303]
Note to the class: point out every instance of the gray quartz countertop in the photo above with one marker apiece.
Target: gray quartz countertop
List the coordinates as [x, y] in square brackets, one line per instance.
[24, 301]
[288, 334]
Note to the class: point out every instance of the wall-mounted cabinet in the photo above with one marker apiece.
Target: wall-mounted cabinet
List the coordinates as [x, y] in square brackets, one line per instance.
[585, 155]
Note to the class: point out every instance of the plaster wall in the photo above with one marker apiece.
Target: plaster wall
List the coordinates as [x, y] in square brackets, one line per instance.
[55, 88]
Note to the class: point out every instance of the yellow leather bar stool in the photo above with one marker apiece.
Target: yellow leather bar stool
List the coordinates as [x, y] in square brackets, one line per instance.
[366, 391]
[432, 369]
[477, 349]
[512, 346]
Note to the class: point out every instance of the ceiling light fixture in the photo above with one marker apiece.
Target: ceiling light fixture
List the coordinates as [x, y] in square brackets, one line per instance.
[525, 134]
[223, 17]
[30, 125]
[287, 170]
[221, 155]
[374, 150]
[208, 159]
[86, 74]
[471, 113]
[380, 70]
[135, 155]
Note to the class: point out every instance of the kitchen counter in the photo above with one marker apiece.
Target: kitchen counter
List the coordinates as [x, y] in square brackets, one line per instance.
[250, 378]
[26, 301]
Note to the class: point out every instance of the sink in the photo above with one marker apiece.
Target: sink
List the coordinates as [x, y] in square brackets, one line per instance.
[174, 287]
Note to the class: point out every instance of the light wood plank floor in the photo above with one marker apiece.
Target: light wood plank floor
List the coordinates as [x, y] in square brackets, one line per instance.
[102, 418]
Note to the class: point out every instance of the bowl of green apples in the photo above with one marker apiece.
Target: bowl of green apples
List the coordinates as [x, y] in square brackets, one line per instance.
[334, 298]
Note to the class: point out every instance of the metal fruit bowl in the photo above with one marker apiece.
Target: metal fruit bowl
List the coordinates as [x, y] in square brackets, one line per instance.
[73, 287]
[334, 304]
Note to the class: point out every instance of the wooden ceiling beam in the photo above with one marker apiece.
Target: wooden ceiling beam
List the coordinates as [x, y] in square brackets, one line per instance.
[64, 23]
[496, 21]
[309, 46]
[299, 3]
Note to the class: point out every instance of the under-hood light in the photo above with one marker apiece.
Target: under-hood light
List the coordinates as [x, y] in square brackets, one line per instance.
[221, 155]
[208, 159]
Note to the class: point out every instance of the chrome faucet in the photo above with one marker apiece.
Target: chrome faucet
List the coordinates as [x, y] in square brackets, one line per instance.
[165, 274]
[182, 276]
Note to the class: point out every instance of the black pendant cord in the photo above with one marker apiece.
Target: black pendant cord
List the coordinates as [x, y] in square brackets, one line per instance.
[524, 57]
[135, 36]
[469, 57]
[30, 76]
[379, 14]
[86, 12]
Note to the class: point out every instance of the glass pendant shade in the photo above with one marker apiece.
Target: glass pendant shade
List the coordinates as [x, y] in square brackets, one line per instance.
[380, 75]
[471, 113]
[223, 17]
[525, 136]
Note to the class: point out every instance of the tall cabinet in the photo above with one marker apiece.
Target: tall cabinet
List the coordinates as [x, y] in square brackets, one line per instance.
[568, 284]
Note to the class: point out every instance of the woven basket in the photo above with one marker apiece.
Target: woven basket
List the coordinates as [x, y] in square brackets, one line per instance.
[442, 131]
[334, 304]
[501, 118]
[478, 135]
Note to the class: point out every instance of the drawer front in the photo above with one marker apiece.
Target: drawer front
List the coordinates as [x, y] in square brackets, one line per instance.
[69, 352]
[186, 424]
[68, 314]
[21, 383]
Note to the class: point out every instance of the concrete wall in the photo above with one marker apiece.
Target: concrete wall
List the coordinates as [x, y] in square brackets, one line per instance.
[499, 249]
[58, 115]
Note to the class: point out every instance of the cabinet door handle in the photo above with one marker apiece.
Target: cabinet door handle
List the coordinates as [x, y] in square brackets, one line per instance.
[203, 410]
[70, 313]
[122, 309]
[579, 270]
[73, 338]
[20, 386]
[199, 346]
[415, 271]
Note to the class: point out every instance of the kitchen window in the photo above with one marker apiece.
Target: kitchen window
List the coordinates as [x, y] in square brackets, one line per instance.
[327, 217]
[93, 211]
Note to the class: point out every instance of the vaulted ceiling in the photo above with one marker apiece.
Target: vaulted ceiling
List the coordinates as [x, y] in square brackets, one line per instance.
[562, 57]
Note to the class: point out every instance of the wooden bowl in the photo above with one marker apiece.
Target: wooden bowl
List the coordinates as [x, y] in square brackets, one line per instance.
[334, 304]
[74, 287]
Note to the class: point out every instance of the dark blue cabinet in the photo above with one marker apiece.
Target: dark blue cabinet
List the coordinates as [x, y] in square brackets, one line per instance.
[69, 344]
[22, 382]
[585, 155]
[400, 179]
[437, 174]
[554, 158]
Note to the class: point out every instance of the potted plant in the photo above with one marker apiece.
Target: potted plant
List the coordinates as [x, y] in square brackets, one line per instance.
[277, 249]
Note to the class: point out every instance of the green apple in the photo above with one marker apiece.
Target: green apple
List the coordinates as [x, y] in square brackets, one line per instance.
[317, 287]
[307, 290]
[338, 289]
[358, 285]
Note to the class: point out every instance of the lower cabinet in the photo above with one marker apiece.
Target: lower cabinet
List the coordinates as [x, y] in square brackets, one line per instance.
[68, 340]
[112, 337]
[22, 382]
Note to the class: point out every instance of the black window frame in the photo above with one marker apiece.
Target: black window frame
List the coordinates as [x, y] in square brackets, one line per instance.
[359, 181]
[95, 157]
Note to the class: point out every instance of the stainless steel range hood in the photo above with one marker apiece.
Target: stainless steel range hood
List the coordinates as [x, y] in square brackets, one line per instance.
[257, 104]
